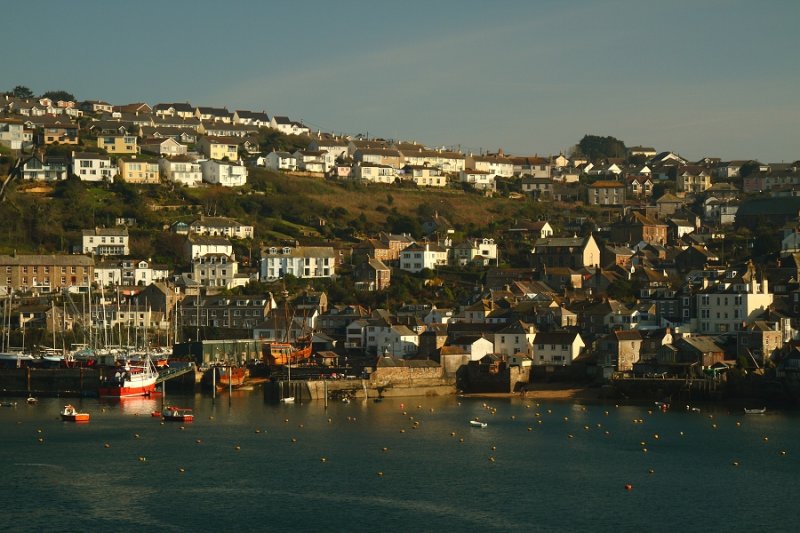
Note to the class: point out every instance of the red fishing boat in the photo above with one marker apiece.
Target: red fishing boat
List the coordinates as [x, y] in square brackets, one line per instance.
[132, 379]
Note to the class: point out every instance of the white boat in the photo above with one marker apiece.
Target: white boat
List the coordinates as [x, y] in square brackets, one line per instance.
[755, 411]
[477, 424]
[288, 399]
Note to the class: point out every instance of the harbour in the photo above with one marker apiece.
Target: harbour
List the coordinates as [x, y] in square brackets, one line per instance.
[401, 464]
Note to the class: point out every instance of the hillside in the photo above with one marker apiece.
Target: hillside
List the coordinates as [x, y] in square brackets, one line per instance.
[46, 218]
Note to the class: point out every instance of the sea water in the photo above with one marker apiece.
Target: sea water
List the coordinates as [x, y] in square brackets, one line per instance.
[411, 464]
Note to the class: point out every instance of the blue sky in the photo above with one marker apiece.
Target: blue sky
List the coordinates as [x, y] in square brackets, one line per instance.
[700, 77]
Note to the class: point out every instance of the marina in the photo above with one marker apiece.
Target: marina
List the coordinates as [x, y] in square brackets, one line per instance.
[402, 464]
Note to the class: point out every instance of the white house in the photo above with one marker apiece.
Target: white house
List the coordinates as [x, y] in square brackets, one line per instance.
[105, 241]
[129, 272]
[182, 170]
[221, 226]
[222, 173]
[373, 173]
[723, 307]
[299, 261]
[425, 176]
[311, 161]
[282, 161]
[217, 270]
[465, 252]
[289, 127]
[417, 256]
[557, 348]
[480, 179]
[498, 166]
[92, 167]
[197, 245]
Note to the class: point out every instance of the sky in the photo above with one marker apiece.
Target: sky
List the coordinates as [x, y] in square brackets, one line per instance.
[703, 78]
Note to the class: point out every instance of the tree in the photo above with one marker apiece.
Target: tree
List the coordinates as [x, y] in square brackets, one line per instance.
[595, 147]
[20, 91]
[59, 95]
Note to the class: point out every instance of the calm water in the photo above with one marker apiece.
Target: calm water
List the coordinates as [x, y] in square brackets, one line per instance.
[539, 479]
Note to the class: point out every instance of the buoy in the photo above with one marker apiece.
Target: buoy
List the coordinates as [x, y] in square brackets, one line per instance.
[461, 439]
[681, 433]
[402, 431]
[198, 441]
[301, 425]
[286, 420]
[566, 418]
[494, 448]
[323, 459]
[142, 459]
[181, 470]
[735, 463]
[714, 426]
[237, 447]
[182, 428]
[491, 459]
[258, 431]
[569, 436]
[586, 428]
[644, 450]
[642, 443]
[530, 428]
[766, 439]
[628, 486]
[294, 439]
[380, 474]
[135, 435]
[738, 424]
[211, 418]
[385, 449]
[655, 436]
[41, 440]
[651, 471]
[783, 452]
[452, 433]
[606, 413]
[607, 432]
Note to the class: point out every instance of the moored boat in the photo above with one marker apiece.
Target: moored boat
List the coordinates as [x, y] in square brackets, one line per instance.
[755, 411]
[225, 377]
[177, 414]
[477, 424]
[134, 379]
[70, 414]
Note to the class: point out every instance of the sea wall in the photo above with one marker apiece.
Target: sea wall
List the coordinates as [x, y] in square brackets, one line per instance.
[50, 381]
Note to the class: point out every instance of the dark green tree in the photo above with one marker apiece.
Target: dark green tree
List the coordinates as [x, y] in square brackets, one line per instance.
[595, 147]
[59, 95]
[20, 91]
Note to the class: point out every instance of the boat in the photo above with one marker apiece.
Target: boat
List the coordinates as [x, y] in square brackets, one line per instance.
[477, 424]
[224, 377]
[755, 411]
[133, 379]
[70, 414]
[288, 399]
[32, 400]
[177, 414]
[285, 353]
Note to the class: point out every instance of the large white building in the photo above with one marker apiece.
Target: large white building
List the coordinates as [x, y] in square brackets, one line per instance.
[217, 270]
[129, 272]
[221, 226]
[416, 257]
[182, 170]
[727, 305]
[92, 167]
[300, 261]
[105, 241]
[222, 173]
